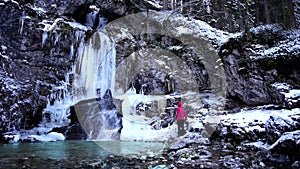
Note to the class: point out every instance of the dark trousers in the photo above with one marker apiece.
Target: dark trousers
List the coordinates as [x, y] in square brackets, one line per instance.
[180, 126]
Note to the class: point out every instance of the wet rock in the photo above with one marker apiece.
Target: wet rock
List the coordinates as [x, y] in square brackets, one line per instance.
[249, 76]
[75, 132]
[94, 165]
[33, 70]
[160, 167]
[167, 122]
[188, 139]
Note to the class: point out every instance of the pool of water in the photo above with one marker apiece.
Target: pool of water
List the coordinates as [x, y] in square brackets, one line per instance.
[50, 154]
[69, 154]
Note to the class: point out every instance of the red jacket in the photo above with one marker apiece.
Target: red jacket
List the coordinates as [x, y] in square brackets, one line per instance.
[180, 112]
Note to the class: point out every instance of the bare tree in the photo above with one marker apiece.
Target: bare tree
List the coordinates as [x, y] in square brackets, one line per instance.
[267, 11]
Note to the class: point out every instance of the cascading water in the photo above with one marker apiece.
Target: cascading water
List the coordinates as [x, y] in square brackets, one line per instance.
[93, 83]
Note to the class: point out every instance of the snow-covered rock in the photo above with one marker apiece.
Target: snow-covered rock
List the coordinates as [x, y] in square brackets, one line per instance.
[276, 125]
[289, 144]
[52, 136]
[257, 124]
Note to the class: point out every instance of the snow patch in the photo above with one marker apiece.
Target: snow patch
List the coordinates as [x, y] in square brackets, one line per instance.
[258, 144]
[79, 26]
[53, 136]
[247, 116]
[38, 10]
[286, 47]
[13, 138]
[282, 87]
[154, 4]
[292, 93]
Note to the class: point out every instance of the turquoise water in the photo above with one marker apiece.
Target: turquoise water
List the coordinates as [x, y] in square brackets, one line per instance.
[70, 154]
[60, 154]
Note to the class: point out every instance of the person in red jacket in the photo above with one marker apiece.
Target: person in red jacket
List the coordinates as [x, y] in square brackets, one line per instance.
[181, 117]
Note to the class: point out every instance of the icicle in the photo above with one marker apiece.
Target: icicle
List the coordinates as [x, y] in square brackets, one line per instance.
[71, 51]
[44, 38]
[80, 47]
[142, 89]
[67, 77]
[22, 20]
[59, 110]
[57, 38]
[77, 35]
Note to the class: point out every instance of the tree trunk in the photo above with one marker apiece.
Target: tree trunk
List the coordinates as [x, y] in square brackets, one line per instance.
[257, 13]
[165, 4]
[267, 12]
[288, 15]
[246, 18]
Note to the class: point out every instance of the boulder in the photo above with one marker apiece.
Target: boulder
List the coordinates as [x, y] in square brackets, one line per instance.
[235, 131]
[75, 132]
[288, 144]
[276, 125]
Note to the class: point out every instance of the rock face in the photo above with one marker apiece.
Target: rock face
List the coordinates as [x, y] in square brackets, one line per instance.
[251, 71]
[75, 132]
[35, 61]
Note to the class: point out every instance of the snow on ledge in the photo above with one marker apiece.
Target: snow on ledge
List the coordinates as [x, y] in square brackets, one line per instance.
[52, 136]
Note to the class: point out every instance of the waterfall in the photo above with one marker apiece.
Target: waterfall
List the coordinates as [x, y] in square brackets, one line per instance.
[95, 68]
[92, 88]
